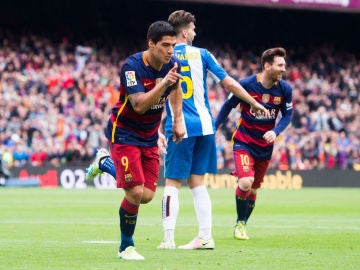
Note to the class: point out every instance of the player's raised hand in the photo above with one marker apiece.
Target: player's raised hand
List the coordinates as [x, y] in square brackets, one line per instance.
[172, 76]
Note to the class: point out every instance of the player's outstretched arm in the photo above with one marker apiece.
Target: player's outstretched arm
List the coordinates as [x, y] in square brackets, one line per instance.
[224, 112]
[234, 87]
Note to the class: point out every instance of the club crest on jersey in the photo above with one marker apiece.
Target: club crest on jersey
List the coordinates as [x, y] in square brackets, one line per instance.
[265, 98]
[130, 78]
[277, 100]
[128, 177]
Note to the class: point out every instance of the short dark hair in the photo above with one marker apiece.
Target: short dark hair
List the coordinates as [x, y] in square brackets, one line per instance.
[269, 55]
[181, 18]
[159, 29]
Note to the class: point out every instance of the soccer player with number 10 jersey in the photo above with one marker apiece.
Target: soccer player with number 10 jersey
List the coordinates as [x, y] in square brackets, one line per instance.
[254, 138]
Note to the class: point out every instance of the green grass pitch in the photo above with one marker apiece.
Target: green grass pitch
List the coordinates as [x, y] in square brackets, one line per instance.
[311, 228]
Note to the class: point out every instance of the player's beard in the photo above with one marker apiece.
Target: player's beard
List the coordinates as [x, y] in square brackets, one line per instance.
[276, 77]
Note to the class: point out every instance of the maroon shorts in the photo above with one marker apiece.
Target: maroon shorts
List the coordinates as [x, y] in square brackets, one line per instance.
[247, 166]
[135, 165]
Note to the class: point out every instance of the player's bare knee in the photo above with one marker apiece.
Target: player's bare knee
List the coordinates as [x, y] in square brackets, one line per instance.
[173, 183]
[134, 194]
[195, 181]
[245, 183]
[146, 199]
[147, 195]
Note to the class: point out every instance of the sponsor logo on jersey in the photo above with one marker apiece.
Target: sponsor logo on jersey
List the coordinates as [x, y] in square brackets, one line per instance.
[130, 78]
[160, 104]
[147, 83]
[261, 115]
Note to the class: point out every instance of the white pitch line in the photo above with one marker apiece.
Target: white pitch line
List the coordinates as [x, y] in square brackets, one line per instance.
[100, 242]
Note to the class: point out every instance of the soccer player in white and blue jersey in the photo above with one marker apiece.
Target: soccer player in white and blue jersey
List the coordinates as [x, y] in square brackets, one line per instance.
[196, 154]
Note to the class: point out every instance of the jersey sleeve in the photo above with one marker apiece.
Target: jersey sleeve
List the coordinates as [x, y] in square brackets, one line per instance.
[286, 110]
[214, 68]
[131, 79]
[226, 108]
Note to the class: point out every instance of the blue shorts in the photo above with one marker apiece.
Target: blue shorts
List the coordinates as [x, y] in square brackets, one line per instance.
[194, 155]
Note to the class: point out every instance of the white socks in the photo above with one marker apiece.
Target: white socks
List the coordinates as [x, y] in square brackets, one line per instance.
[170, 210]
[202, 204]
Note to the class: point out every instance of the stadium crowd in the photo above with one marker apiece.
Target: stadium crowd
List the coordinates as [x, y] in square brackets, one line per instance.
[55, 98]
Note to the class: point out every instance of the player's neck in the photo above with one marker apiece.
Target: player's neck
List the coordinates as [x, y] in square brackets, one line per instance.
[152, 61]
[180, 39]
[266, 81]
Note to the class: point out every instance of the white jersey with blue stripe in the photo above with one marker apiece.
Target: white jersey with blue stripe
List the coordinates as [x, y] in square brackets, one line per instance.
[196, 63]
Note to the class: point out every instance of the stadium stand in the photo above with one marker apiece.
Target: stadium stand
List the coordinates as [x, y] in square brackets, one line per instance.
[55, 94]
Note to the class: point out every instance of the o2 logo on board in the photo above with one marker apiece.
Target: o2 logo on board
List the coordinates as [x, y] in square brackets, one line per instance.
[76, 178]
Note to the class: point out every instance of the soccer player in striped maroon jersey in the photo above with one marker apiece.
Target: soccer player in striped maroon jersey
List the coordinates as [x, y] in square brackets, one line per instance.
[254, 138]
[148, 79]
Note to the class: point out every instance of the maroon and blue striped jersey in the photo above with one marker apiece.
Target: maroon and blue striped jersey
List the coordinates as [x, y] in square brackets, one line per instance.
[125, 126]
[251, 127]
